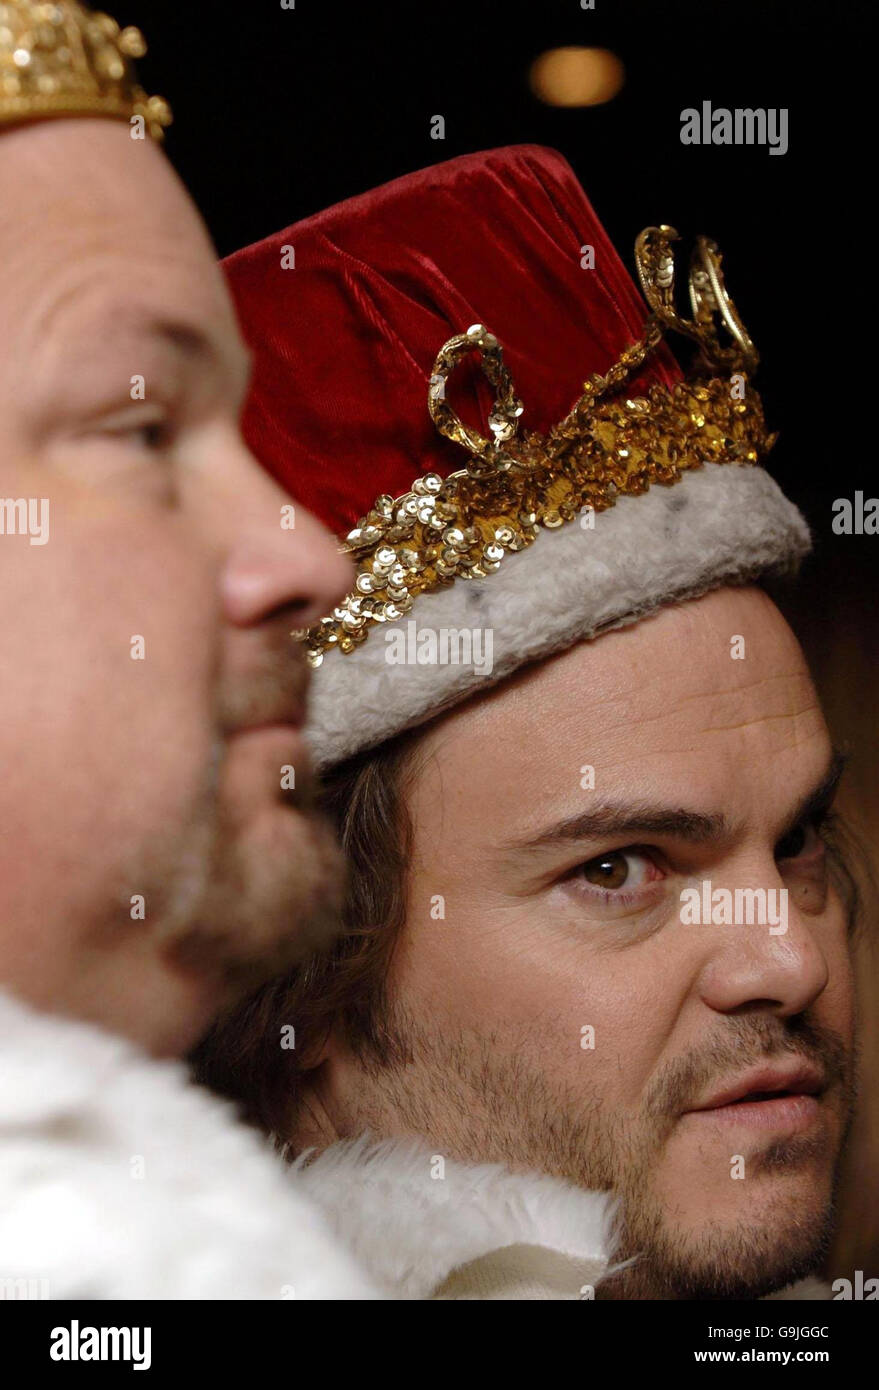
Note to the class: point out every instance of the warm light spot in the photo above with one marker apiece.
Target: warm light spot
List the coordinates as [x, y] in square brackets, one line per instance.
[576, 76]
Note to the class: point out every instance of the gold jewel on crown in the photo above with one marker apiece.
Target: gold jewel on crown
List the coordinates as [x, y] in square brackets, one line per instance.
[62, 59]
[462, 526]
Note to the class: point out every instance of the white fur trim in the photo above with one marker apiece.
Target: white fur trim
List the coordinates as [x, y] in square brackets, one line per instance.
[215, 1214]
[721, 524]
[410, 1230]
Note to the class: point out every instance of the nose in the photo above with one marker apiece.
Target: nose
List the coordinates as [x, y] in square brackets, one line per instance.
[280, 559]
[752, 967]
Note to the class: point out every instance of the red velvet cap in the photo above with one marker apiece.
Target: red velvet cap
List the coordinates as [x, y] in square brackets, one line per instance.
[345, 341]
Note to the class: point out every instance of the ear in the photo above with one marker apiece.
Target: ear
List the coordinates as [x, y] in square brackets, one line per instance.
[322, 1052]
[311, 1124]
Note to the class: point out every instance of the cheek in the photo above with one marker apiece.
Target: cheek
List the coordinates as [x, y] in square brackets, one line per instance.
[596, 1021]
[99, 750]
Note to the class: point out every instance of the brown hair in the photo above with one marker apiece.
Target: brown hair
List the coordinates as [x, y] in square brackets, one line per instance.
[242, 1056]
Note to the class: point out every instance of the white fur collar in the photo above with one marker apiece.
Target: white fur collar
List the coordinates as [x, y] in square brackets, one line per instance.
[119, 1178]
[411, 1217]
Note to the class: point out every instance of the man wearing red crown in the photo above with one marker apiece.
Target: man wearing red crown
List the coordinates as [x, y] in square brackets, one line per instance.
[596, 928]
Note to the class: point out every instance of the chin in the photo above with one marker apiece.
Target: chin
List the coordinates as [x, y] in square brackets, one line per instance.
[289, 882]
[168, 1016]
[735, 1261]
[175, 1037]
[271, 894]
[741, 1239]
[746, 1262]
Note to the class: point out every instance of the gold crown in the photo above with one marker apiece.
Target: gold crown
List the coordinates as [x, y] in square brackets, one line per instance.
[62, 59]
[462, 526]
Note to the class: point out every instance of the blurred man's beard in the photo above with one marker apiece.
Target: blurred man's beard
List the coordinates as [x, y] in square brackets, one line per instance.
[245, 903]
[497, 1106]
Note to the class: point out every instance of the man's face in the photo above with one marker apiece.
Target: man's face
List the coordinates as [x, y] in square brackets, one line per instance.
[559, 1013]
[151, 696]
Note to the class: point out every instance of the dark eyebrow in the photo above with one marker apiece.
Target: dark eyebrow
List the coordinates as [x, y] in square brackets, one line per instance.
[615, 819]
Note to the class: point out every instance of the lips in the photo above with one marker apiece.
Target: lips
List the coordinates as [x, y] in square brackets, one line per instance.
[767, 1084]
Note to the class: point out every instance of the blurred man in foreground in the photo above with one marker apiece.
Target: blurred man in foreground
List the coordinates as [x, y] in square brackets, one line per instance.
[152, 861]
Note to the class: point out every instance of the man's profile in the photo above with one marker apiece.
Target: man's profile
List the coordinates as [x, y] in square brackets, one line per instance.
[150, 695]
[156, 855]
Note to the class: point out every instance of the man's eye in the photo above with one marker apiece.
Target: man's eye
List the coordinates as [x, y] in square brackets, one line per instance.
[802, 840]
[156, 435]
[152, 435]
[150, 430]
[620, 868]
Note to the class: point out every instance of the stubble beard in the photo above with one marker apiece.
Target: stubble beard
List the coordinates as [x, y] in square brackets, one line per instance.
[243, 904]
[498, 1106]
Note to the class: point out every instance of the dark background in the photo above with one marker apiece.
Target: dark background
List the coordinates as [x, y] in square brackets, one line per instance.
[281, 112]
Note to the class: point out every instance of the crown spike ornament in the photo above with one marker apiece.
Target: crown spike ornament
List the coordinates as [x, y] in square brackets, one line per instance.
[62, 59]
[611, 443]
[709, 300]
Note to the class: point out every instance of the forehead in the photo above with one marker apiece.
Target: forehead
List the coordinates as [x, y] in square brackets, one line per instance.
[90, 216]
[661, 710]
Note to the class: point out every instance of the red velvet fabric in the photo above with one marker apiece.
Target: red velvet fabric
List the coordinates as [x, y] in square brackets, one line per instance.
[344, 342]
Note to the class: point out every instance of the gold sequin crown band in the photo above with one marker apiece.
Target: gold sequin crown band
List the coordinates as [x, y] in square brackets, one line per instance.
[62, 59]
[462, 526]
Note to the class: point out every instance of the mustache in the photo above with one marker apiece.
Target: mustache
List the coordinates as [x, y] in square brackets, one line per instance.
[744, 1043]
[266, 682]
